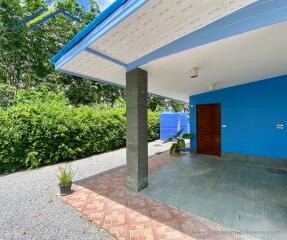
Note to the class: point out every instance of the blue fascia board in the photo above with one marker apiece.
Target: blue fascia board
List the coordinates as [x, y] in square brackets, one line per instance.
[99, 54]
[257, 15]
[86, 30]
[113, 15]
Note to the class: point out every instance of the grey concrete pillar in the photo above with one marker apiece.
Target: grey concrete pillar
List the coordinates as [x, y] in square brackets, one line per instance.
[137, 141]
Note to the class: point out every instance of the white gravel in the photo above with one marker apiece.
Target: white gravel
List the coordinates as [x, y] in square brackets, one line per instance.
[30, 208]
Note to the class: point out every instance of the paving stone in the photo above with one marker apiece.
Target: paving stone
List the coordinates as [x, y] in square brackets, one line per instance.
[132, 216]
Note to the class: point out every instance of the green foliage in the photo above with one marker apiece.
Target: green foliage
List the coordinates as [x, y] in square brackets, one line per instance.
[161, 104]
[41, 128]
[41, 95]
[80, 91]
[7, 95]
[65, 175]
[180, 143]
[153, 125]
[26, 52]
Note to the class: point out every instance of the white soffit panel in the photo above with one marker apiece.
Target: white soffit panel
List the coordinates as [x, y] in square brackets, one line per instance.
[93, 66]
[244, 58]
[160, 22]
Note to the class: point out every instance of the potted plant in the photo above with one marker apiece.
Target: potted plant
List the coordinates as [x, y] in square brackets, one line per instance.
[65, 176]
[179, 145]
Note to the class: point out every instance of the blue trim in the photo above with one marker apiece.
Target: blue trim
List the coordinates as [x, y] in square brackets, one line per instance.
[69, 51]
[85, 31]
[257, 15]
[99, 54]
[27, 19]
[55, 14]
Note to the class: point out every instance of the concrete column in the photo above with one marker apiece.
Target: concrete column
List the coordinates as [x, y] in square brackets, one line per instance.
[137, 141]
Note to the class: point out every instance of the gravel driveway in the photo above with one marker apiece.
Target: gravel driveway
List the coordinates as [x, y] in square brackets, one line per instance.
[30, 209]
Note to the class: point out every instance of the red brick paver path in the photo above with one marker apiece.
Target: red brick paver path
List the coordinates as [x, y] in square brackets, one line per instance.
[130, 216]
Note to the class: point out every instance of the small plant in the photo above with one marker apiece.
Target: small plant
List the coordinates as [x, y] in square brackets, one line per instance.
[65, 176]
[180, 143]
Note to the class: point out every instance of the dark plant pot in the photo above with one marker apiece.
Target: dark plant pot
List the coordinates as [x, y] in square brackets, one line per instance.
[65, 189]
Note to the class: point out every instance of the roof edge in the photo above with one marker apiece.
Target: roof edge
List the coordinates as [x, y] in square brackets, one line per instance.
[86, 30]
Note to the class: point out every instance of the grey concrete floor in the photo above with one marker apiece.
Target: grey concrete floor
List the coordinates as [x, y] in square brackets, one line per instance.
[31, 210]
[240, 195]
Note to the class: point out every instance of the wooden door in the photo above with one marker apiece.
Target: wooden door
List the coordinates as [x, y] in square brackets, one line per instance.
[208, 128]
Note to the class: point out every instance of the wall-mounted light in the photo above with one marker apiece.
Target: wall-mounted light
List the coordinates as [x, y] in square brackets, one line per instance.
[193, 72]
[211, 86]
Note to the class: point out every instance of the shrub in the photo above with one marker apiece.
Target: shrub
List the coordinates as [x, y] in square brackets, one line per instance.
[39, 132]
[153, 125]
[7, 95]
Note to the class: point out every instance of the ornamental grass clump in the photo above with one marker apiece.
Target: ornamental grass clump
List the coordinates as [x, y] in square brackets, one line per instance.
[65, 176]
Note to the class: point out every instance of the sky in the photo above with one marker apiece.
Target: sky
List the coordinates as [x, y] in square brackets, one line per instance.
[102, 3]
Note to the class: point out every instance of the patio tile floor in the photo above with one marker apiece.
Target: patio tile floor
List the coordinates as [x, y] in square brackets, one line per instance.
[242, 196]
[104, 200]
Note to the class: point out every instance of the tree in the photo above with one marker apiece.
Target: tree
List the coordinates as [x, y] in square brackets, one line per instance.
[87, 92]
[26, 53]
[156, 103]
[177, 106]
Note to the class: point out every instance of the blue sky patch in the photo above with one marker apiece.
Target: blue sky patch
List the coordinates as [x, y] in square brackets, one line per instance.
[102, 3]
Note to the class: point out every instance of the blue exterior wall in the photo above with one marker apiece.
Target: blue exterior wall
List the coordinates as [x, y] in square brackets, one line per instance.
[250, 113]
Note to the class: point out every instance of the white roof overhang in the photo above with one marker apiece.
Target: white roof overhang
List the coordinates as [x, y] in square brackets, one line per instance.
[168, 37]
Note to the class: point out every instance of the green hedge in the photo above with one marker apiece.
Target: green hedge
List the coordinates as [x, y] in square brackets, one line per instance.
[37, 133]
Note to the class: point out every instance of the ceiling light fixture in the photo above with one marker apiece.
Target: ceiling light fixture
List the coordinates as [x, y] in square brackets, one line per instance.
[193, 72]
[211, 86]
